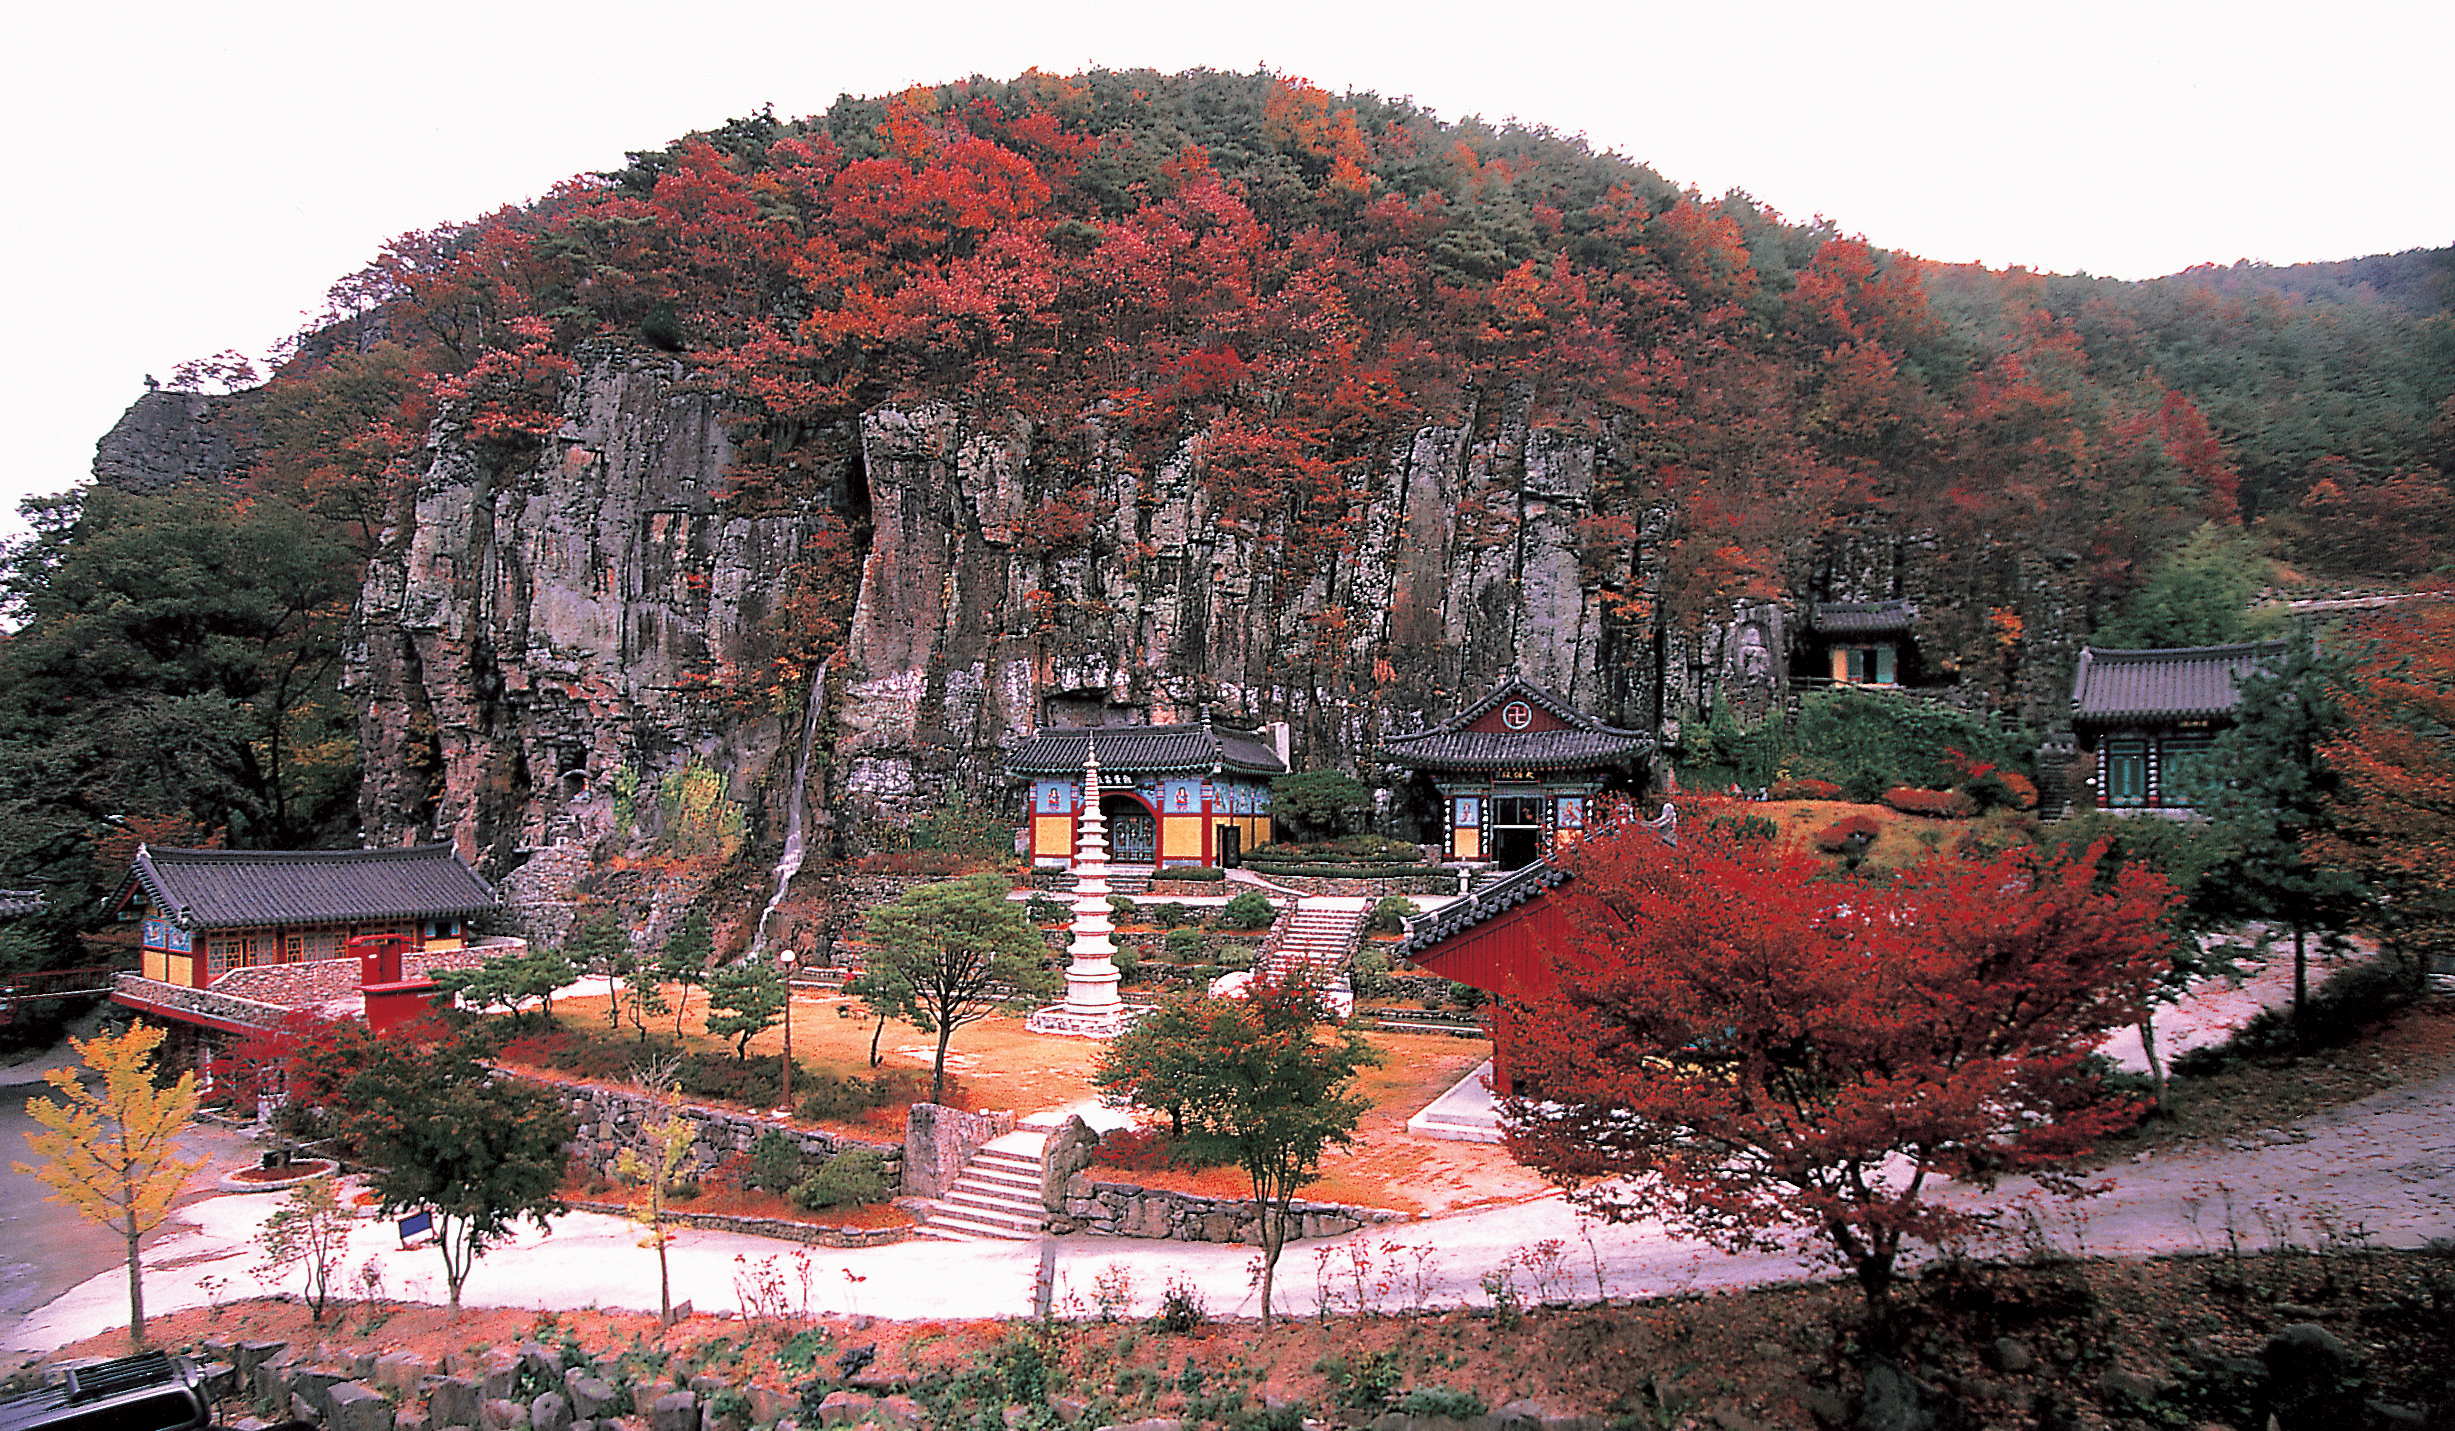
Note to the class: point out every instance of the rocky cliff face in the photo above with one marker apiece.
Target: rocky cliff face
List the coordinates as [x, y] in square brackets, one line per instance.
[547, 647]
[168, 437]
[1465, 567]
[536, 643]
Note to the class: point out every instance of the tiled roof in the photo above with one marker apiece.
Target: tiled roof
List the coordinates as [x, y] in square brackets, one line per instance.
[1451, 746]
[1425, 930]
[18, 903]
[1158, 749]
[2170, 682]
[223, 889]
[1862, 618]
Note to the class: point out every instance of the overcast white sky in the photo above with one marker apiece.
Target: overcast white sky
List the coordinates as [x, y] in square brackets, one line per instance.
[192, 177]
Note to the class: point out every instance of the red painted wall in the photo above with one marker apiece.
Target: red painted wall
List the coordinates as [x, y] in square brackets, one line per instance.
[1508, 956]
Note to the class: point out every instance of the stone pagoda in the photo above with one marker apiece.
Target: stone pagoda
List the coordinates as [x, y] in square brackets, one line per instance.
[1091, 1008]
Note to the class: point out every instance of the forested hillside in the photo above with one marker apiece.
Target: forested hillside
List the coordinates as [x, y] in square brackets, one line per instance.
[1125, 340]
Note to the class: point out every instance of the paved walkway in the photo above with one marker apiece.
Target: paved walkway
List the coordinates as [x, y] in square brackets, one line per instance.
[2382, 1168]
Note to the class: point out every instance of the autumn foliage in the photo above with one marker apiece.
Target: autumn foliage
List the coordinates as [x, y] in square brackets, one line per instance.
[2396, 800]
[113, 1155]
[1270, 287]
[1753, 1051]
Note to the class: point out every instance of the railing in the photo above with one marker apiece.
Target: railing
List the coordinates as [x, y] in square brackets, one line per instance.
[18, 989]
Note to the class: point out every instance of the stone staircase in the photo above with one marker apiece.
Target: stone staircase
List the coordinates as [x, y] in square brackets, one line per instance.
[997, 1197]
[1314, 940]
[1132, 880]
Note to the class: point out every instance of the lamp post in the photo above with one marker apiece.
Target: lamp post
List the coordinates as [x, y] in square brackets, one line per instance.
[786, 959]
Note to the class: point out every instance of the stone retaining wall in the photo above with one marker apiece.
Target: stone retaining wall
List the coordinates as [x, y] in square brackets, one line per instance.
[1435, 882]
[611, 1119]
[939, 1140]
[1128, 1210]
[812, 1234]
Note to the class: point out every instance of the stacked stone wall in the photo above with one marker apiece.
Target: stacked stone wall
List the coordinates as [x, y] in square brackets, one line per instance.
[1129, 1210]
[610, 1120]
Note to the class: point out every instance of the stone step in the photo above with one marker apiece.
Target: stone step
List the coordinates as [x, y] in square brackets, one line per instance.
[996, 1197]
[948, 1226]
[1022, 1219]
[1019, 1179]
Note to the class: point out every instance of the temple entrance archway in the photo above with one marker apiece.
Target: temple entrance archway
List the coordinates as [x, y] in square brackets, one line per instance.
[1133, 831]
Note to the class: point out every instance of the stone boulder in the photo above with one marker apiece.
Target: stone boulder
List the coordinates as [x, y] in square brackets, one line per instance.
[1069, 1151]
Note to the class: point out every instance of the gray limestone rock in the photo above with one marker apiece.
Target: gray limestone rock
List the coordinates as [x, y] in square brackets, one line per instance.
[674, 1411]
[592, 1397]
[845, 1408]
[313, 1384]
[550, 1412]
[1069, 1151]
[247, 1356]
[271, 1378]
[356, 1406]
[497, 1414]
[453, 1402]
[768, 1404]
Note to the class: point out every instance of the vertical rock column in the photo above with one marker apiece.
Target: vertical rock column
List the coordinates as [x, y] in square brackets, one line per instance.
[1091, 1009]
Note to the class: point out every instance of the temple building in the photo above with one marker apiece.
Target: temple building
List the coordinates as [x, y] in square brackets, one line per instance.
[208, 912]
[1861, 643]
[1195, 794]
[2146, 719]
[1518, 772]
[237, 940]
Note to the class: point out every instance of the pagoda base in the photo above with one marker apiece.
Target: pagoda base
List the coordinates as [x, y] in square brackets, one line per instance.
[1070, 1023]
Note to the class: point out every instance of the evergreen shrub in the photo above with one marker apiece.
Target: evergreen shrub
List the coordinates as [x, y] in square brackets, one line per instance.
[1249, 910]
[852, 1177]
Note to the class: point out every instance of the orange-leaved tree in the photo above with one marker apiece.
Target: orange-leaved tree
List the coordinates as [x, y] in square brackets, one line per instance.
[2395, 825]
[113, 1155]
[1746, 1046]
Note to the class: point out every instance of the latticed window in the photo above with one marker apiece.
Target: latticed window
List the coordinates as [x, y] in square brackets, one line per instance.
[225, 952]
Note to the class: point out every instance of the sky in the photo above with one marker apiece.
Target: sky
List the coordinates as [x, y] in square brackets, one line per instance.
[192, 178]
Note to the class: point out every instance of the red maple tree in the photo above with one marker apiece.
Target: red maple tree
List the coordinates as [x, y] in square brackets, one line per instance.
[1747, 1047]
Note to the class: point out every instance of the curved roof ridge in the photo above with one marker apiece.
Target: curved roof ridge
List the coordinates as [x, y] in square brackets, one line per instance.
[201, 889]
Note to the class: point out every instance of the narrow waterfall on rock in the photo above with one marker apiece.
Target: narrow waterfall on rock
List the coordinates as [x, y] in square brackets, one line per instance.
[788, 864]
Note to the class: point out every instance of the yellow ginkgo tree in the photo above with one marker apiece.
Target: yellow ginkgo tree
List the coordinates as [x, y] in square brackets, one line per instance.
[668, 1144]
[113, 1156]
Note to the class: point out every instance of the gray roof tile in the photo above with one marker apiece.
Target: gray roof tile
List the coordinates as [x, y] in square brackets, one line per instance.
[1450, 746]
[223, 889]
[2172, 682]
[1425, 930]
[1156, 749]
[1862, 618]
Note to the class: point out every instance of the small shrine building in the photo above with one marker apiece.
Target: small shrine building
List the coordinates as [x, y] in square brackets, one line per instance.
[2147, 719]
[1195, 794]
[1862, 643]
[1518, 772]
